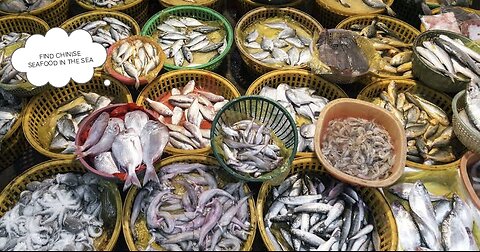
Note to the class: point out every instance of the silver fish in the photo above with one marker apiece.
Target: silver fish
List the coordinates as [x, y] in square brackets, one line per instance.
[104, 162]
[154, 138]
[127, 151]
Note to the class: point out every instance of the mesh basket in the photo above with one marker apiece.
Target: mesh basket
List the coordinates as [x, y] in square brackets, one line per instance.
[54, 13]
[248, 5]
[212, 4]
[137, 9]
[466, 132]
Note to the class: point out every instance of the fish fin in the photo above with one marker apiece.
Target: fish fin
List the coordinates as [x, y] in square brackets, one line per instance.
[390, 11]
[131, 179]
[150, 175]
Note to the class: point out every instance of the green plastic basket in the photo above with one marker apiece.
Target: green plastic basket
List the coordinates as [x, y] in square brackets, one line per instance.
[200, 13]
[265, 111]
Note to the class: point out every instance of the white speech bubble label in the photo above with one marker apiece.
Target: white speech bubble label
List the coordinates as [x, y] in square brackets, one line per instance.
[56, 58]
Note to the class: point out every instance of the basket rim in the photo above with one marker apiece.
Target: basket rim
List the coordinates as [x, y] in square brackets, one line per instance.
[413, 83]
[466, 178]
[438, 9]
[325, 5]
[289, 10]
[206, 4]
[132, 192]
[460, 121]
[168, 75]
[18, 123]
[34, 100]
[34, 12]
[114, 8]
[102, 13]
[18, 180]
[264, 192]
[172, 10]
[255, 5]
[221, 160]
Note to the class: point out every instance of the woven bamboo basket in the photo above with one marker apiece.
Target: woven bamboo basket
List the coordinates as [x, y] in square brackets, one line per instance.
[465, 131]
[13, 148]
[405, 32]
[177, 79]
[42, 106]
[132, 193]
[437, 11]
[297, 78]
[137, 9]
[11, 193]
[248, 5]
[212, 4]
[54, 14]
[254, 16]
[374, 199]
[438, 98]
[74, 22]
[27, 24]
[329, 14]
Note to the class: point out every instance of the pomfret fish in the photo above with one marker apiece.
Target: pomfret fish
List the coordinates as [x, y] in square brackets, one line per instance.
[136, 120]
[127, 150]
[154, 137]
[104, 162]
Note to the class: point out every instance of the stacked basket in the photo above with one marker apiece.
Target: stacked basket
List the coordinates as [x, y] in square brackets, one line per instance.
[54, 13]
[137, 9]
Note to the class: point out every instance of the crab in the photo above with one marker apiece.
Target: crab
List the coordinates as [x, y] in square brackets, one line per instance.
[57, 205]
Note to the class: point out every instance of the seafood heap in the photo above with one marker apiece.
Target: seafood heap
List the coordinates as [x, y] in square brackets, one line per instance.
[188, 115]
[190, 42]
[359, 147]
[120, 146]
[446, 224]
[250, 147]
[427, 126]
[10, 108]
[311, 212]
[302, 105]
[375, 4]
[61, 213]
[107, 31]
[451, 58]
[107, 3]
[278, 42]
[134, 59]
[454, 19]
[8, 74]
[396, 54]
[191, 210]
[66, 119]
[17, 6]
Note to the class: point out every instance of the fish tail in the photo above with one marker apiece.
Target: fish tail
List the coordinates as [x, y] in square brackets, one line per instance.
[137, 83]
[131, 179]
[390, 11]
[150, 175]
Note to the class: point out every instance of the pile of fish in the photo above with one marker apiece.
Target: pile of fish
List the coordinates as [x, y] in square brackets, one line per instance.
[396, 54]
[433, 223]
[189, 210]
[134, 59]
[302, 105]
[107, 3]
[250, 147]
[279, 42]
[454, 19]
[18, 6]
[107, 31]
[8, 74]
[376, 4]
[451, 58]
[190, 119]
[359, 147]
[311, 212]
[61, 213]
[191, 40]
[120, 146]
[427, 126]
[68, 117]
[10, 108]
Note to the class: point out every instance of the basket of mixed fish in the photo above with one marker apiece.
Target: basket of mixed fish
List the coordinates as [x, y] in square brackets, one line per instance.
[105, 27]
[187, 102]
[212, 4]
[248, 5]
[312, 211]
[57, 205]
[52, 119]
[191, 37]
[15, 31]
[446, 61]
[432, 212]
[54, 12]
[426, 116]
[135, 60]
[275, 38]
[466, 117]
[137, 9]
[392, 39]
[12, 140]
[194, 207]
[460, 20]
[303, 94]
[121, 140]
[332, 12]
[255, 139]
